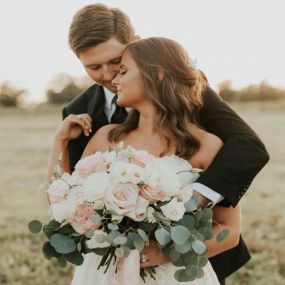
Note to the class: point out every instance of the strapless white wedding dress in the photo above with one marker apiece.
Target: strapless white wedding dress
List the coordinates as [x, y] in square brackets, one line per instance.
[88, 274]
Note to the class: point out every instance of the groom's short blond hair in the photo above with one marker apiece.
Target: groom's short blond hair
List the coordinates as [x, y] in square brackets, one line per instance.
[95, 24]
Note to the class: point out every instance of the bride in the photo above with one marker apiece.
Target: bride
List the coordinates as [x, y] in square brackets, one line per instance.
[158, 82]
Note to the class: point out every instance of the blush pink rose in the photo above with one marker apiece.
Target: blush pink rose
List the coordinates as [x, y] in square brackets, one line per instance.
[142, 157]
[153, 194]
[91, 164]
[81, 218]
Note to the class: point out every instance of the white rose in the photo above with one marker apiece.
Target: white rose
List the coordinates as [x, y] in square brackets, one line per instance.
[139, 213]
[162, 176]
[185, 194]
[57, 190]
[123, 172]
[96, 185]
[173, 210]
[93, 243]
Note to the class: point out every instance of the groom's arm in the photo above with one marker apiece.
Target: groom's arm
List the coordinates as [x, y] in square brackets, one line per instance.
[242, 156]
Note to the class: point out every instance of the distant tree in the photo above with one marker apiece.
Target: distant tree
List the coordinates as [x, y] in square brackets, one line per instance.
[253, 92]
[11, 96]
[64, 88]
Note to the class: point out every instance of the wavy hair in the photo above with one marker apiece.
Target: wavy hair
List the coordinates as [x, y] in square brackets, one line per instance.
[176, 95]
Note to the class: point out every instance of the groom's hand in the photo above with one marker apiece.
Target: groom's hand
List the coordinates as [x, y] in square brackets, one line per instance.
[153, 255]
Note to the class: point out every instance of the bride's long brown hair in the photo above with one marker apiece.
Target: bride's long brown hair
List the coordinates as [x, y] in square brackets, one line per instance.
[175, 89]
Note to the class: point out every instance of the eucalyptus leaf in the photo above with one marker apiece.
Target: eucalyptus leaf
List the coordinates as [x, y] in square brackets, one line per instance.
[113, 227]
[49, 251]
[198, 247]
[75, 258]
[192, 204]
[162, 236]
[188, 221]
[142, 234]
[62, 244]
[190, 258]
[138, 242]
[181, 276]
[179, 234]
[35, 226]
[61, 262]
[119, 240]
[96, 218]
[183, 248]
[101, 251]
[222, 235]
[202, 261]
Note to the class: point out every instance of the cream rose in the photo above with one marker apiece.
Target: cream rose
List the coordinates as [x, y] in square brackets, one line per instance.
[173, 210]
[124, 200]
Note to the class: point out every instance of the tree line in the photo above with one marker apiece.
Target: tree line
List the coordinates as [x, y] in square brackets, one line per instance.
[64, 88]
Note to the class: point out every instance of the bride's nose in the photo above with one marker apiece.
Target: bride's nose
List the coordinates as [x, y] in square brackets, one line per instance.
[115, 81]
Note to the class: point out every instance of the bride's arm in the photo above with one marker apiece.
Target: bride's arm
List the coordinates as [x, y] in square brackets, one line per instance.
[70, 128]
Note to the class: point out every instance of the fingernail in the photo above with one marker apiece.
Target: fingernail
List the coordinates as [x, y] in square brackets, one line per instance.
[90, 130]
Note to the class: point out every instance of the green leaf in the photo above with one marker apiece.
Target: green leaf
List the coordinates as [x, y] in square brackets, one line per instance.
[188, 221]
[192, 204]
[96, 218]
[142, 234]
[199, 247]
[148, 227]
[162, 236]
[62, 243]
[222, 235]
[131, 239]
[100, 238]
[207, 215]
[190, 258]
[66, 229]
[61, 262]
[74, 258]
[101, 251]
[138, 242]
[179, 234]
[202, 261]
[206, 232]
[111, 235]
[183, 248]
[112, 227]
[89, 233]
[52, 227]
[181, 276]
[49, 251]
[174, 255]
[35, 226]
[120, 240]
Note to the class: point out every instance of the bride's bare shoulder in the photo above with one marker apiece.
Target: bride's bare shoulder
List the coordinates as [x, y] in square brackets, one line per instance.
[99, 141]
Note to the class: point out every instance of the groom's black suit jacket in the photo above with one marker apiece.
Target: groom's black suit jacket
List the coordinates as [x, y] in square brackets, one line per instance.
[232, 171]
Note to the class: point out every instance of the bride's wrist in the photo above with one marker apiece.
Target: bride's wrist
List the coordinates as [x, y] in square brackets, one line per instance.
[61, 140]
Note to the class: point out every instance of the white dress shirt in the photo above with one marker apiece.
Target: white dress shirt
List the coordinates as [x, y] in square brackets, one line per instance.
[207, 192]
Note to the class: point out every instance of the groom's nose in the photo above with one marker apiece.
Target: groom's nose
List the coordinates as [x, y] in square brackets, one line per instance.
[109, 73]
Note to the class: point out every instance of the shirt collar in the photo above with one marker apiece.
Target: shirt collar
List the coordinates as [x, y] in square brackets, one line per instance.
[109, 97]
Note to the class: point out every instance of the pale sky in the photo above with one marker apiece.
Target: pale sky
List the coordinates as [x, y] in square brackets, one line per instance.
[242, 41]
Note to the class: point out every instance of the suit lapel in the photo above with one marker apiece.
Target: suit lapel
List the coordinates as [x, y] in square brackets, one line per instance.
[96, 109]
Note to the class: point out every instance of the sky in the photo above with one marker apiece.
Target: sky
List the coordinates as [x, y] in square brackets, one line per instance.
[241, 41]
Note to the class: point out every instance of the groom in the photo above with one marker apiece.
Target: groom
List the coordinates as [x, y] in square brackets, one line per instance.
[97, 36]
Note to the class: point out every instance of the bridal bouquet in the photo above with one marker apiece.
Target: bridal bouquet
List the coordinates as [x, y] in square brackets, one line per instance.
[115, 201]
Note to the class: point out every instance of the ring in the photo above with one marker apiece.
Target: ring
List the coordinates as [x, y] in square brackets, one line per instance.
[79, 117]
[143, 258]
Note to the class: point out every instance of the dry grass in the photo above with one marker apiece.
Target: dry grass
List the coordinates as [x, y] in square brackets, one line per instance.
[24, 146]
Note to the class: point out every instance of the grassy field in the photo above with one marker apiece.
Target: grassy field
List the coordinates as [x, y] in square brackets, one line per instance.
[25, 138]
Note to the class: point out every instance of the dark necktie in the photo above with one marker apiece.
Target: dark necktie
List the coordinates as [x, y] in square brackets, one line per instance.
[120, 113]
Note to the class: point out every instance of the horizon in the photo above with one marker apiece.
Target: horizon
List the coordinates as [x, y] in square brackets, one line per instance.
[240, 42]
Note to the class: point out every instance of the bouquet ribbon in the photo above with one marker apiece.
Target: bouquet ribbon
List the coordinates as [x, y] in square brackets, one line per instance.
[128, 269]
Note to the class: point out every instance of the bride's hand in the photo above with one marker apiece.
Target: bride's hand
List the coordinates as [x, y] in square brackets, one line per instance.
[153, 254]
[73, 126]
